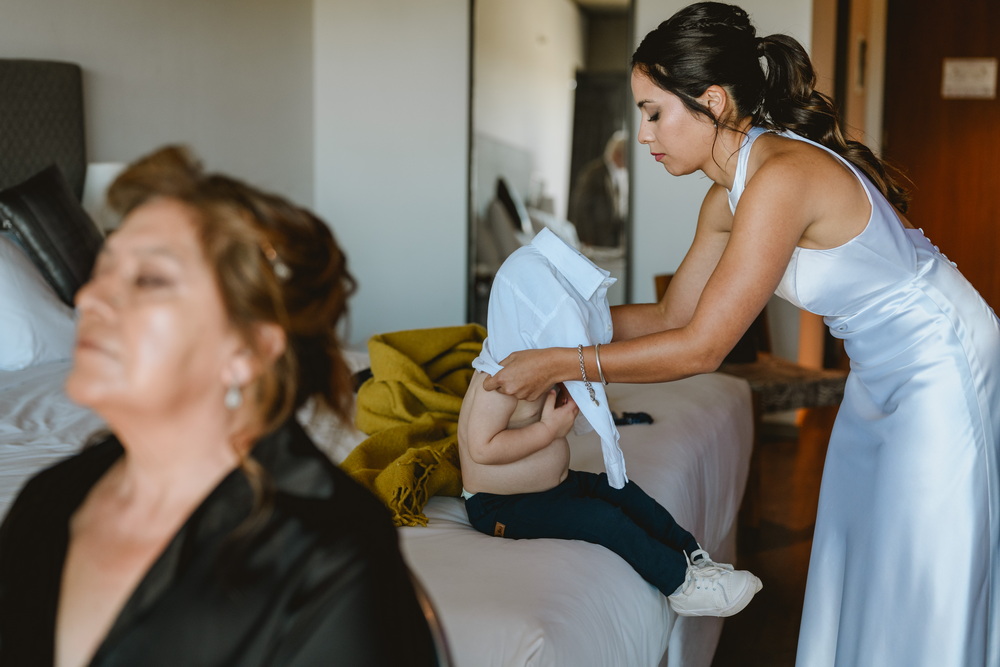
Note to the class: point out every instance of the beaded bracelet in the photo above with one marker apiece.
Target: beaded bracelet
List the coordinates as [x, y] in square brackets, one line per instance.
[583, 372]
[600, 372]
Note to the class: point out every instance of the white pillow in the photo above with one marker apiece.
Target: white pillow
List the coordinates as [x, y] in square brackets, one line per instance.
[35, 326]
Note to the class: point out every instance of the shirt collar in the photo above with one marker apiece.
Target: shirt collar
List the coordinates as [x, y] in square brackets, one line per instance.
[585, 276]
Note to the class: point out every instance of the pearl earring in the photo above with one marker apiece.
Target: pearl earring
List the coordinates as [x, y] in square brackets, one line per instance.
[234, 397]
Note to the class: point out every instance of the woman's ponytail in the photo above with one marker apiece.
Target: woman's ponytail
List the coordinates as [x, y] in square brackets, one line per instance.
[791, 102]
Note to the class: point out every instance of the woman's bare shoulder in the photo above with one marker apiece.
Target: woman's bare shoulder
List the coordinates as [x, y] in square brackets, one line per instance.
[809, 188]
[787, 169]
[793, 159]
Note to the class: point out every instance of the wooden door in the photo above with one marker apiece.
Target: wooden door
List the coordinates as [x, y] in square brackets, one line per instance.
[949, 148]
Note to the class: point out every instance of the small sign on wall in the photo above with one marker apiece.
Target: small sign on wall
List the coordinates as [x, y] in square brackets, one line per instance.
[969, 79]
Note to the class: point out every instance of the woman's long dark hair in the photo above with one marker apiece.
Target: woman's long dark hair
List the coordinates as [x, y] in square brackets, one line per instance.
[712, 43]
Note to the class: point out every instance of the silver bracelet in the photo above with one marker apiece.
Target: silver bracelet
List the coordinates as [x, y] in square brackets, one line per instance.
[600, 372]
[583, 372]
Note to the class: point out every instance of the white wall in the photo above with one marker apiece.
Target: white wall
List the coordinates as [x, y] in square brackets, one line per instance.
[391, 158]
[665, 208]
[391, 142]
[358, 109]
[232, 78]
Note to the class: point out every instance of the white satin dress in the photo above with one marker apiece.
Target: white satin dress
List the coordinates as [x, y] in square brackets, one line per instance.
[904, 566]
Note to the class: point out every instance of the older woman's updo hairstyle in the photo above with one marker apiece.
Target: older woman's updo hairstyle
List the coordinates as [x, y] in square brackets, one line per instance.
[769, 79]
[274, 262]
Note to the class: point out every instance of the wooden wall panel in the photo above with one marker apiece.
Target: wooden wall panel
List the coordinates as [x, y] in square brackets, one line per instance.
[949, 148]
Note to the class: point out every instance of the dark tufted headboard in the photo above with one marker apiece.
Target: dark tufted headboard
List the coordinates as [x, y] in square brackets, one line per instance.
[41, 121]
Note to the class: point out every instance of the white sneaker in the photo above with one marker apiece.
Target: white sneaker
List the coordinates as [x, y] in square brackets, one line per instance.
[713, 589]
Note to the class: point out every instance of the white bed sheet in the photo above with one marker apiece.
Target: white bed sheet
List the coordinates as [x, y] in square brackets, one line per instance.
[39, 425]
[511, 602]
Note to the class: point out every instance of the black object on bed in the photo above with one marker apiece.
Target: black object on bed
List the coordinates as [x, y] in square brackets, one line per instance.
[48, 222]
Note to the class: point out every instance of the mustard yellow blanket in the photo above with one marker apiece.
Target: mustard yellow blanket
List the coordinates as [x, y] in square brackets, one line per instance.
[409, 409]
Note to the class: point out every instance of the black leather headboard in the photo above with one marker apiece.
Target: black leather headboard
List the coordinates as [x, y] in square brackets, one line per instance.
[41, 121]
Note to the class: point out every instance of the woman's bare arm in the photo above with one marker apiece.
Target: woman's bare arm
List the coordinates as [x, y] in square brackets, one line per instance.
[774, 212]
[677, 305]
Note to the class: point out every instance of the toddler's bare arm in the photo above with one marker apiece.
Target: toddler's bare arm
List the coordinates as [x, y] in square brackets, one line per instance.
[491, 440]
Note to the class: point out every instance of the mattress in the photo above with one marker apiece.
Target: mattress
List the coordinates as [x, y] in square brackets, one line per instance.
[557, 602]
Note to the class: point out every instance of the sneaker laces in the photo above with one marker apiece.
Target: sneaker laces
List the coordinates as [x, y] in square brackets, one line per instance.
[705, 563]
[699, 571]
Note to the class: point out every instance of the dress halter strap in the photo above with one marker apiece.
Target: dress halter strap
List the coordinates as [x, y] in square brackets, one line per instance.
[739, 181]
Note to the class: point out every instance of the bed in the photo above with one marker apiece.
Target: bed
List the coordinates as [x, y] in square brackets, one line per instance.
[500, 602]
[557, 602]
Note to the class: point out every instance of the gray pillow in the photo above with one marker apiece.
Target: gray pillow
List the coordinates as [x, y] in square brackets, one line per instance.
[45, 218]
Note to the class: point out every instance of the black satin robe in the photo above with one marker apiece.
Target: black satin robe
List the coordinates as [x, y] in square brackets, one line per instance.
[322, 582]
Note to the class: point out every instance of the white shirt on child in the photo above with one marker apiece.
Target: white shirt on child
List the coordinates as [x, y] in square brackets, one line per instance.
[547, 294]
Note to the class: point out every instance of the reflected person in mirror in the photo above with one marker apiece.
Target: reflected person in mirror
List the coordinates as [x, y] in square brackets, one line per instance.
[598, 206]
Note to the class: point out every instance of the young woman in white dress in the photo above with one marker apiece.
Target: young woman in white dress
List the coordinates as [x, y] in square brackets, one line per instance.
[904, 567]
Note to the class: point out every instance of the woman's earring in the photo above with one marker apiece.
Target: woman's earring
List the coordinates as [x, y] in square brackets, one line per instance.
[234, 397]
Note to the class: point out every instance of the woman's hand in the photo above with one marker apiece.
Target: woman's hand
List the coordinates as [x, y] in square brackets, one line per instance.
[528, 374]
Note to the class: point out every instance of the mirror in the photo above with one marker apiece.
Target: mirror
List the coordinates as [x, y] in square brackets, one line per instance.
[550, 127]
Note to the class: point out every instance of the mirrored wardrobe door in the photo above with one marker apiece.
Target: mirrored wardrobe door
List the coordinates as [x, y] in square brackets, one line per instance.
[550, 134]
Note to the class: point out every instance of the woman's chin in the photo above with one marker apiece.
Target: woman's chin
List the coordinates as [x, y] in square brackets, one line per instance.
[85, 392]
[675, 170]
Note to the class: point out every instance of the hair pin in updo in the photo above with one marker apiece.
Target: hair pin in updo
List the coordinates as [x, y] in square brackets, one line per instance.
[705, 24]
[281, 270]
[717, 22]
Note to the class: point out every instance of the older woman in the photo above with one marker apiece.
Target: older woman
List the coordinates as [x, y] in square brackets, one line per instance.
[207, 528]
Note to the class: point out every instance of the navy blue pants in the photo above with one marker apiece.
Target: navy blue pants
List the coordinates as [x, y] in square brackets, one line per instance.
[585, 507]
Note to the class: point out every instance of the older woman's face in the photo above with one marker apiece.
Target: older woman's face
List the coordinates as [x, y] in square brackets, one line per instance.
[152, 333]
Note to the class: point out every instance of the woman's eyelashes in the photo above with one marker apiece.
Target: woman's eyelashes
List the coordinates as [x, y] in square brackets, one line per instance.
[146, 280]
[155, 273]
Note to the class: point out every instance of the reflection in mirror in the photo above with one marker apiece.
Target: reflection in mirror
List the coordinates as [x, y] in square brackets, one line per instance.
[550, 102]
